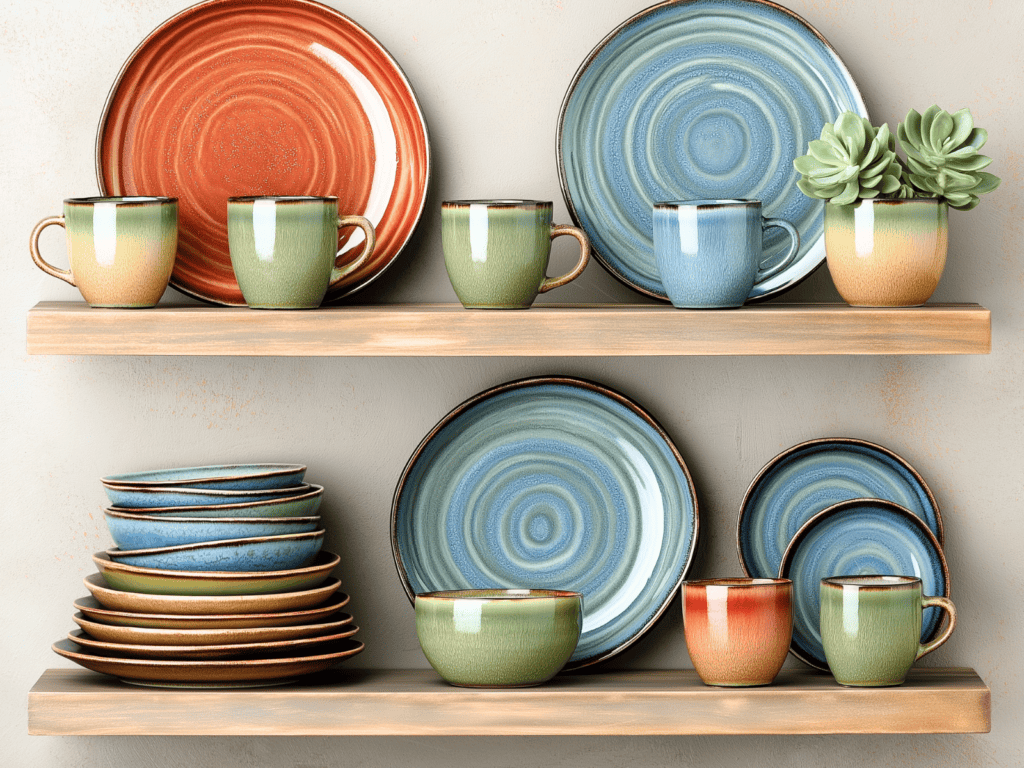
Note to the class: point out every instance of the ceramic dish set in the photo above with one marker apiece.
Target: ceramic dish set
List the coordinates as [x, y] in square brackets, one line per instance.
[564, 486]
[272, 153]
[218, 579]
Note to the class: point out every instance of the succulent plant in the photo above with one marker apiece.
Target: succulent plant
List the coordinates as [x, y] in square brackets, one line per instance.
[851, 161]
[943, 157]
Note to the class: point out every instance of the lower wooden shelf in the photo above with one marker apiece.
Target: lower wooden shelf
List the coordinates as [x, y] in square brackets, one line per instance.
[68, 702]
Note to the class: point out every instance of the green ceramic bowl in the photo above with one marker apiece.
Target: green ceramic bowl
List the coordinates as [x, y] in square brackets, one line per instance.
[498, 638]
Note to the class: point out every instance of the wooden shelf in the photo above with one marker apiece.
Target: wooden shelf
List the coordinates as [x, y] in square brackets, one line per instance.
[425, 330]
[68, 702]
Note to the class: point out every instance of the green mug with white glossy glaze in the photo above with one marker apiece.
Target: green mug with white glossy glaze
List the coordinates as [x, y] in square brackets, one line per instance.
[120, 249]
[496, 251]
[871, 627]
[284, 249]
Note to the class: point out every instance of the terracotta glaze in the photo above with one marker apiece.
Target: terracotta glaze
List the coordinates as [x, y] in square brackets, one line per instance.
[887, 253]
[265, 97]
[738, 630]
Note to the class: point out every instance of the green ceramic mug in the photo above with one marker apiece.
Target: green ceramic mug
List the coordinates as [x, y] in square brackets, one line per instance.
[120, 249]
[871, 627]
[284, 249]
[496, 251]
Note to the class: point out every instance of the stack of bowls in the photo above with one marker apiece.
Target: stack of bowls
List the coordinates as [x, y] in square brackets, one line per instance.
[218, 579]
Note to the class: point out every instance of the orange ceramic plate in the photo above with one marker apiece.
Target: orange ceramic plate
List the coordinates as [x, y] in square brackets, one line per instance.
[265, 97]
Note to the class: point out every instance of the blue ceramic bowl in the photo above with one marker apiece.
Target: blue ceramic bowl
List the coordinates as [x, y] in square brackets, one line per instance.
[132, 497]
[265, 553]
[233, 477]
[303, 505]
[134, 531]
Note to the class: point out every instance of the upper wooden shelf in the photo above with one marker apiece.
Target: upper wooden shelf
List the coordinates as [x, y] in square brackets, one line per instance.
[69, 702]
[446, 330]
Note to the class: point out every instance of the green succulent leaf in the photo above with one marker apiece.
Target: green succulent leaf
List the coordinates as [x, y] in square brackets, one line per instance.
[943, 156]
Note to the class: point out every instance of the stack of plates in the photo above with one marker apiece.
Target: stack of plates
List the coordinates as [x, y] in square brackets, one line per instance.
[840, 507]
[218, 579]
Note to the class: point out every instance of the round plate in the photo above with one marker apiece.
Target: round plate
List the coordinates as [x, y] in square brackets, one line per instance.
[136, 497]
[209, 605]
[265, 97]
[159, 581]
[857, 538]
[803, 480]
[262, 554]
[699, 99]
[97, 614]
[108, 633]
[550, 483]
[238, 477]
[207, 651]
[134, 531]
[302, 505]
[227, 673]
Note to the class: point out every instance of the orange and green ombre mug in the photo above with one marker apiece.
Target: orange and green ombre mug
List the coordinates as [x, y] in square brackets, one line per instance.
[120, 249]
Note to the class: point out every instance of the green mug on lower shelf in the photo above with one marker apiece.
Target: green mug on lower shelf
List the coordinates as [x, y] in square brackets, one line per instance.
[871, 627]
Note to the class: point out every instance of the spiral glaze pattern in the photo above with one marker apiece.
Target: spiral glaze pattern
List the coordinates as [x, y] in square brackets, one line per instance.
[858, 538]
[804, 480]
[551, 484]
[265, 97]
[699, 99]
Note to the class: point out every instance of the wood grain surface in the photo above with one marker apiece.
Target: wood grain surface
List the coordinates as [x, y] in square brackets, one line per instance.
[419, 703]
[446, 330]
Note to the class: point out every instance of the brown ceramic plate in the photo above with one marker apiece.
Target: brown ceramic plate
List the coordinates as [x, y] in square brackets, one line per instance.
[112, 633]
[134, 578]
[206, 673]
[139, 602]
[185, 652]
[93, 611]
[265, 97]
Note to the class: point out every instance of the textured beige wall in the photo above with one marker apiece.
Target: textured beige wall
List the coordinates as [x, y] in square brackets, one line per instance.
[490, 75]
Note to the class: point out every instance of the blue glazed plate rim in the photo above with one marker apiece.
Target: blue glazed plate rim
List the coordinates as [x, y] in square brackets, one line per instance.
[815, 252]
[593, 387]
[889, 506]
[743, 533]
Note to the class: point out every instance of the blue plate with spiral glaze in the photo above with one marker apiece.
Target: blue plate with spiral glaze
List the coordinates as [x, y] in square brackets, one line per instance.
[807, 478]
[692, 100]
[551, 483]
[859, 537]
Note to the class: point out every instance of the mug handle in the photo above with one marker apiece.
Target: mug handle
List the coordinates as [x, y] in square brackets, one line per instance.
[33, 245]
[794, 236]
[556, 282]
[371, 241]
[947, 605]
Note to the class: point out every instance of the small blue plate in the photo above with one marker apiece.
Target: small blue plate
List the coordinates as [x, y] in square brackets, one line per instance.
[859, 537]
[132, 531]
[266, 553]
[551, 483]
[304, 505]
[803, 480]
[130, 497]
[225, 477]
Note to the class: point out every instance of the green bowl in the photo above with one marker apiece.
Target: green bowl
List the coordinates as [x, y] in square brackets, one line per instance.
[498, 638]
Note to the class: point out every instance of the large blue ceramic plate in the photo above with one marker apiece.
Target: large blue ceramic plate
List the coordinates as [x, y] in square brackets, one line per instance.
[859, 537]
[699, 99]
[229, 477]
[805, 479]
[551, 483]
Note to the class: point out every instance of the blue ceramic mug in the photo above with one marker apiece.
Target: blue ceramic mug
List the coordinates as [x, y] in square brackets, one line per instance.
[709, 252]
